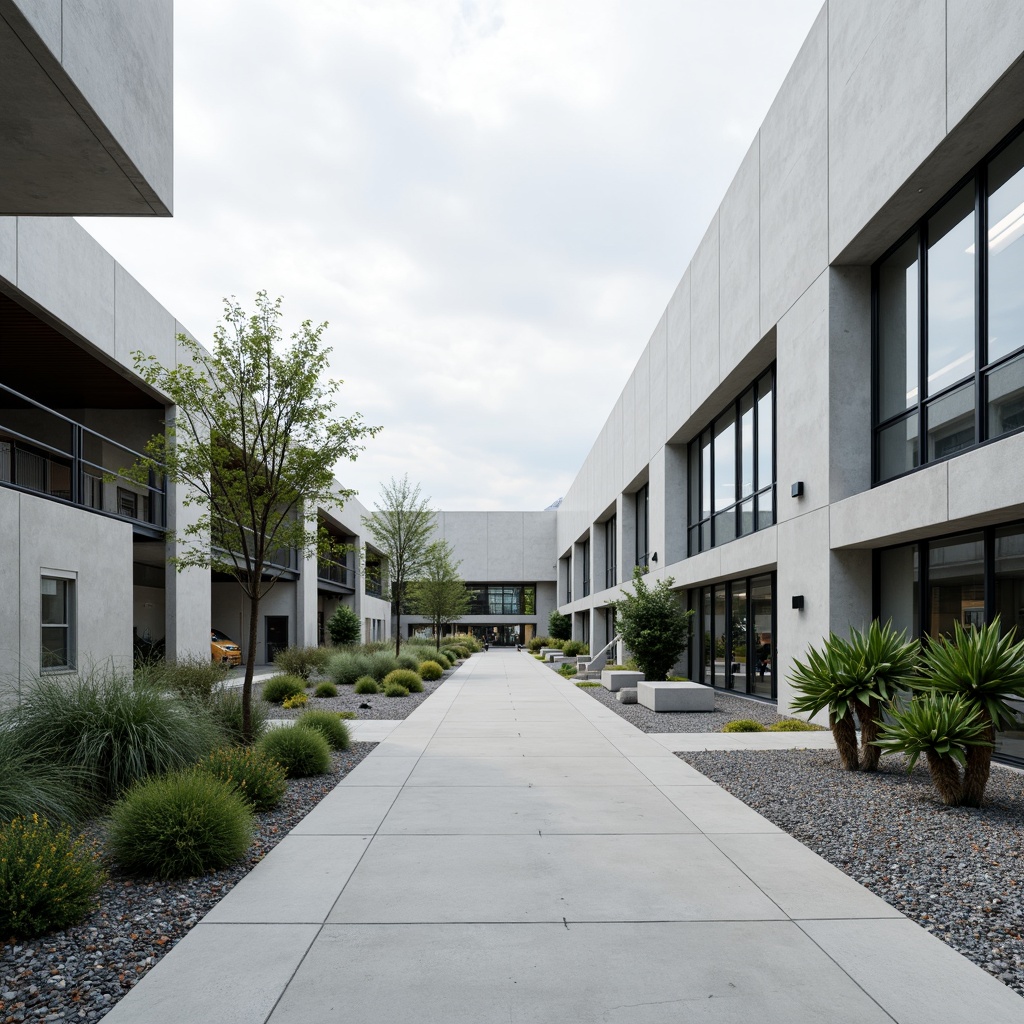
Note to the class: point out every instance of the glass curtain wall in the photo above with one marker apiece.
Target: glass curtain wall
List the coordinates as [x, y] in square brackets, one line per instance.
[611, 571]
[642, 527]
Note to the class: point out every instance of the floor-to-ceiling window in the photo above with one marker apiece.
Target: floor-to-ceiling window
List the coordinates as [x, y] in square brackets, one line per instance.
[642, 527]
[585, 555]
[611, 569]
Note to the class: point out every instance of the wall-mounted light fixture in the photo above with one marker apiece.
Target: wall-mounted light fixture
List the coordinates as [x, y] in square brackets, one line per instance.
[797, 490]
[654, 557]
[798, 602]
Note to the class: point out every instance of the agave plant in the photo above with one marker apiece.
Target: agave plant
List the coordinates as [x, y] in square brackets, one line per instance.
[987, 670]
[947, 729]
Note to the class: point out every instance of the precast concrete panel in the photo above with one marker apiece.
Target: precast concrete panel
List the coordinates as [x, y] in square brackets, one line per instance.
[9, 249]
[657, 391]
[63, 269]
[704, 328]
[45, 16]
[677, 364]
[10, 594]
[983, 38]
[850, 591]
[657, 509]
[504, 546]
[675, 477]
[538, 546]
[1001, 498]
[141, 323]
[802, 403]
[630, 464]
[757, 552]
[887, 103]
[467, 534]
[642, 409]
[794, 180]
[188, 610]
[739, 284]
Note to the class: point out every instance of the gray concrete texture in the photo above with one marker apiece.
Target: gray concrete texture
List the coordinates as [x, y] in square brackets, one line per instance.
[509, 881]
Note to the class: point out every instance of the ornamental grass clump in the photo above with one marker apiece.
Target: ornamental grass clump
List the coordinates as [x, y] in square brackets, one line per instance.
[251, 774]
[329, 725]
[180, 825]
[300, 752]
[794, 725]
[366, 685]
[326, 689]
[403, 677]
[225, 710]
[568, 671]
[112, 731]
[195, 678]
[381, 663]
[30, 784]
[408, 660]
[347, 666]
[440, 658]
[278, 689]
[302, 661]
[431, 671]
[48, 879]
[395, 690]
[743, 725]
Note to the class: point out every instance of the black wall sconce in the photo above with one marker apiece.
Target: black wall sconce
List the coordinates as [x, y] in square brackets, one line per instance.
[798, 602]
[654, 557]
[797, 490]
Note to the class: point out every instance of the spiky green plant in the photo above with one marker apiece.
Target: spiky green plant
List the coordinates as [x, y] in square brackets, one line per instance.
[947, 729]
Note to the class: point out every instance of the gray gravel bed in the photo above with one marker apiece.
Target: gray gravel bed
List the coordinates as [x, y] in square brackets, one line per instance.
[727, 708]
[80, 973]
[956, 871]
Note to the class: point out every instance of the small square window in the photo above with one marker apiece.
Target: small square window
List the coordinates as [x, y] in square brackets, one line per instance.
[57, 613]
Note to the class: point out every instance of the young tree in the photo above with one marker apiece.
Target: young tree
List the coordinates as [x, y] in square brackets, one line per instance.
[559, 626]
[401, 527]
[439, 593]
[254, 441]
[344, 626]
[653, 625]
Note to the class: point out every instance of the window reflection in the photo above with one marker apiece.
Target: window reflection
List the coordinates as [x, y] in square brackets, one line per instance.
[897, 330]
[1006, 251]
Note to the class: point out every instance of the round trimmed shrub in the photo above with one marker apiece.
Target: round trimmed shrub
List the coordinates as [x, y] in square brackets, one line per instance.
[252, 775]
[404, 677]
[743, 725]
[442, 659]
[381, 663]
[366, 684]
[408, 660]
[794, 725]
[278, 689]
[296, 700]
[225, 709]
[180, 825]
[395, 690]
[431, 670]
[329, 725]
[345, 668]
[326, 690]
[48, 880]
[300, 752]
[573, 647]
[451, 653]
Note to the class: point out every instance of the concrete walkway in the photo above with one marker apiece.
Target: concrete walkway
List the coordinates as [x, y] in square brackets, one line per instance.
[516, 852]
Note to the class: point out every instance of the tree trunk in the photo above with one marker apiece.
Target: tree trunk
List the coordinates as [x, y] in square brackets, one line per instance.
[946, 778]
[398, 619]
[979, 764]
[845, 734]
[250, 664]
[869, 715]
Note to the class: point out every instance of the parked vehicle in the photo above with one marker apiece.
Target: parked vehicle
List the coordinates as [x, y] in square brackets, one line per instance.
[224, 649]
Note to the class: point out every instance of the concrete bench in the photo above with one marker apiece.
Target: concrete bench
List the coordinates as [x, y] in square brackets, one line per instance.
[616, 679]
[627, 695]
[682, 696]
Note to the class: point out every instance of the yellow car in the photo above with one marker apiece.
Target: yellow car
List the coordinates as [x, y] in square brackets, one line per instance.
[224, 649]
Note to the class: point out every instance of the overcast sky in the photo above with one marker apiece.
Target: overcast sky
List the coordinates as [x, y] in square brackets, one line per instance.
[490, 201]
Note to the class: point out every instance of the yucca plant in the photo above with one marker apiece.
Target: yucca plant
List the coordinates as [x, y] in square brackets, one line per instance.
[988, 671]
[947, 729]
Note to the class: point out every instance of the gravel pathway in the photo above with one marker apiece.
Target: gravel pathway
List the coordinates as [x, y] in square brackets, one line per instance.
[80, 973]
[956, 871]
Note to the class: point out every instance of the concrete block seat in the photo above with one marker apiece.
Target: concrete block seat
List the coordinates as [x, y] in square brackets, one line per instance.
[659, 695]
[616, 679]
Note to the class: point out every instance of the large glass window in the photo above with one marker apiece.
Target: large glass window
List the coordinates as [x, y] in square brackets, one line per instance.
[954, 376]
[642, 527]
[502, 599]
[585, 555]
[57, 610]
[732, 470]
[611, 571]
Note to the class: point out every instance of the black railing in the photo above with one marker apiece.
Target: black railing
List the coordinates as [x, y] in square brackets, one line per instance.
[45, 452]
[336, 572]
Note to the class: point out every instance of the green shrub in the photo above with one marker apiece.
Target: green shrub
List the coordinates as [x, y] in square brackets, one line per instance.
[300, 752]
[344, 626]
[180, 825]
[196, 678]
[48, 880]
[381, 663]
[439, 658]
[366, 685]
[408, 660]
[302, 661]
[587, 684]
[348, 715]
[403, 677]
[112, 730]
[794, 725]
[743, 725]
[653, 623]
[556, 643]
[326, 689]
[431, 671]
[536, 643]
[559, 626]
[454, 654]
[395, 690]
[225, 710]
[345, 668]
[296, 700]
[567, 670]
[30, 784]
[573, 648]
[278, 689]
[329, 725]
[615, 668]
[467, 640]
[252, 775]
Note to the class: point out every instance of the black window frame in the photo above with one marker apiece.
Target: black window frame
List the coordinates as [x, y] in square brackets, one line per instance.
[611, 552]
[585, 555]
[642, 538]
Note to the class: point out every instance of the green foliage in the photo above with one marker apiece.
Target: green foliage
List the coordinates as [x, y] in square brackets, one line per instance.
[567, 670]
[453, 654]
[442, 659]
[573, 648]
[48, 880]
[225, 710]
[326, 689]
[431, 670]
[380, 663]
[194, 678]
[296, 700]
[278, 689]
[110, 729]
[616, 668]
[302, 661]
[329, 725]
[559, 626]
[794, 725]
[300, 752]
[587, 684]
[180, 825]
[824, 682]
[345, 668]
[366, 685]
[33, 784]
[344, 626]
[347, 715]
[409, 661]
[259, 781]
[404, 677]
[653, 624]
[467, 640]
[395, 690]
[743, 725]
[557, 642]
[438, 593]
[536, 643]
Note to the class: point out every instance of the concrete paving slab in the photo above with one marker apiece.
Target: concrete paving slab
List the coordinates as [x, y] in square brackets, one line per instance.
[548, 878]
[590, 746]
[526, 771]
[684, 741]
[798, 880]
[716, 973]
[296, 883]
[713, 810]
[228, 973]
[527, 810]
[669, 771]
[348, 811]
[380, 771]
[405, 746]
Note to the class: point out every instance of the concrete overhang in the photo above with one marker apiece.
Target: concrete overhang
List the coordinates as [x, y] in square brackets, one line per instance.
[60, 155]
